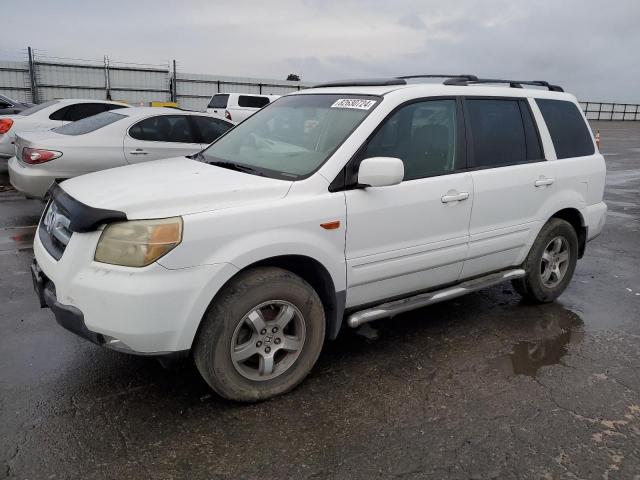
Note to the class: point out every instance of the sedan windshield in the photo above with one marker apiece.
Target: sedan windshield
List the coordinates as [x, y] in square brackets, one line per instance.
[37, 108]
[292, 137]
[89, 124]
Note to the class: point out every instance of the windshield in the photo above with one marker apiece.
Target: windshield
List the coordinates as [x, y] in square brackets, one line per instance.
[89, 124]
[37, 108]
[293, 136]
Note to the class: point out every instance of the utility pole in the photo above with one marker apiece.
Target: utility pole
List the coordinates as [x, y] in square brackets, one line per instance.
[174, 84]
[107, 80]
[32, 77]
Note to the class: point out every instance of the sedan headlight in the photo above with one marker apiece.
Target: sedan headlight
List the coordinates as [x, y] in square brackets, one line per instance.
[138, 243]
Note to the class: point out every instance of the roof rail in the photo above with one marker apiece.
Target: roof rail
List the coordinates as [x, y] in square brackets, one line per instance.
[366, 82]
[511, 83]
[461, 76]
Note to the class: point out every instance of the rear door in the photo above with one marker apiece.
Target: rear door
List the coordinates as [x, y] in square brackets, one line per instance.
[160, 136]
[511, 179]
[412, 236]
[218, 104]
[209, 129]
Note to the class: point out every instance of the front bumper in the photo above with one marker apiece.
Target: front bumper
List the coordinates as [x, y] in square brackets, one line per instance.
[33, 182]
[151, 310]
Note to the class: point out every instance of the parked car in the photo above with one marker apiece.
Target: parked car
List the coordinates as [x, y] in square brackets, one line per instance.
[238, 106]
[8, 106]
[353, 200]
[48, 115]
[109, 139]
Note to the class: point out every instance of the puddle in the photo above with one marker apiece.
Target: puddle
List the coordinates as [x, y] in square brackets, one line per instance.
[529, 356]
[16, 238]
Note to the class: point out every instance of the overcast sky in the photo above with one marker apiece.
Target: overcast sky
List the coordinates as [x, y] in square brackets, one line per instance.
[592, 48]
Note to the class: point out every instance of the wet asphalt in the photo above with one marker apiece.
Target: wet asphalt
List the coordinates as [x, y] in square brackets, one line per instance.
[484, 386]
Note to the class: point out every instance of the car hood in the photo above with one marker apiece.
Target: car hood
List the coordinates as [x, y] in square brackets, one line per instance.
[172, 187]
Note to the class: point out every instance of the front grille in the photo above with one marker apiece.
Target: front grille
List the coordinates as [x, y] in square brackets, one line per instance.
[54, 229]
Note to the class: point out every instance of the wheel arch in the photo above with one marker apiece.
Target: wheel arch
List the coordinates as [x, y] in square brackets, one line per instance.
[314, 273]
[575, 218]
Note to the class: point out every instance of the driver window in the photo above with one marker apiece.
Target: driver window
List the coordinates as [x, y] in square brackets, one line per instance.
[422, 135]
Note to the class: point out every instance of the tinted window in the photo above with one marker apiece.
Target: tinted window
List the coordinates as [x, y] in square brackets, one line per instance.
[83, 110]
[568, 130]
[498, 132]
[37, 108]
[422, 135]
[252, 102]
[219, 101]
[210, 128]
[91, 124]
[164, 128]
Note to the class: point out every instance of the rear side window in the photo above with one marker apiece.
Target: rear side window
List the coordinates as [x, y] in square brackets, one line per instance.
[164, 128]
[252, 101]
[210, 128]
[91, 124]
[502, 132]
[219, 101]
[568, 130]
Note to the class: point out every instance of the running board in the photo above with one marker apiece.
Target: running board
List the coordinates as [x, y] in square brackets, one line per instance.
[396, 307]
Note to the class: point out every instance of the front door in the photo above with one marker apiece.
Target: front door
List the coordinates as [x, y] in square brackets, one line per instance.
[412, 236]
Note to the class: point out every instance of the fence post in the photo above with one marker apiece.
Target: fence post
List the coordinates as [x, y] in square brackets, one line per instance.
[107, 80]
[174, 84]
[599, 110]
[260, 88]
[32, 77]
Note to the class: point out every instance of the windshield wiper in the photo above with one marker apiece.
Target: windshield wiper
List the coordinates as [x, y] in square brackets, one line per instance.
[196, 156]
[238, 167]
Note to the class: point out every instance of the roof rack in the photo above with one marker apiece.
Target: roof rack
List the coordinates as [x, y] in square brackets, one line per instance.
[367, 82]
[511, 83]
[431, 75]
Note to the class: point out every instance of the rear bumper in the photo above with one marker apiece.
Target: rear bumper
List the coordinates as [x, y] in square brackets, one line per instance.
[31, 181]
[595, 217]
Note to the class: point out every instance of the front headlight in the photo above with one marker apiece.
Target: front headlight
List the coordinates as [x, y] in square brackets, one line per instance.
[138, 243]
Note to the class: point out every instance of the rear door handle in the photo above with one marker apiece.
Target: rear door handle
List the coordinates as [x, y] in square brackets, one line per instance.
[543, 182]
[138, 151]
[457, 197]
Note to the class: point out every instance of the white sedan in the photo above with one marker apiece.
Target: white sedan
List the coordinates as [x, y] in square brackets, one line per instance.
[107, 140]
[48, 115]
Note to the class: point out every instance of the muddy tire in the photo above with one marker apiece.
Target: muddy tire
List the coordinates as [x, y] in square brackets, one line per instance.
[261, 335]
[550, 264]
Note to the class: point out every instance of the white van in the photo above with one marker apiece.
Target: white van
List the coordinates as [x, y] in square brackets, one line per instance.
[237, 106]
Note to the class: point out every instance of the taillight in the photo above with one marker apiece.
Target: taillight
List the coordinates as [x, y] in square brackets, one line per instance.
[5, 125]
[227, 115]
[34, 156]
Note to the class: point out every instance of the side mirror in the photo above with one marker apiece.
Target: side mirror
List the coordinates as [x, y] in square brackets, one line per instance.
[380, 171]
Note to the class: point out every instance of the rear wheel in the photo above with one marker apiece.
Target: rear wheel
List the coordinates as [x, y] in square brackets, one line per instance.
[261, 336]
[550, 264]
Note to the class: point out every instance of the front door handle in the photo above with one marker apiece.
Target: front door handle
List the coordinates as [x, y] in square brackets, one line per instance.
[454, 197]
[544, 181]
[138, 151]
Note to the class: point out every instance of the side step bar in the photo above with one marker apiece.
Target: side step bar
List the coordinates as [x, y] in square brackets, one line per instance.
[396, 307]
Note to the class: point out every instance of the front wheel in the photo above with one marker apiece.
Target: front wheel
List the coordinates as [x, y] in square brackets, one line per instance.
[261, 336]
[550, 264]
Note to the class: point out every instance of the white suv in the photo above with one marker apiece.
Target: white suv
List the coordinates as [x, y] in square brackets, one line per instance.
[237, 107]
[354, 201]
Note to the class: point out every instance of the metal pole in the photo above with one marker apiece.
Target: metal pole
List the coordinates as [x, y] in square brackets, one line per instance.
[174, 89]
[107, 80]
[599, 110]
[32, 77]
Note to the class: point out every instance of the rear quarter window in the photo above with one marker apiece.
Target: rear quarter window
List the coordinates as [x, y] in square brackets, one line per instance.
[219, 101]
[567, 127]
[250, 101]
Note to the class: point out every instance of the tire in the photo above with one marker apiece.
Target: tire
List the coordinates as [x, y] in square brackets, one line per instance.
[265, 320]
[542, 283]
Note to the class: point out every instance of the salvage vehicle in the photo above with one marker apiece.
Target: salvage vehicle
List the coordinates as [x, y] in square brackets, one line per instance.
[237, 107]
[43, 116]
[9, 106]
[341, 204]
[109, 139]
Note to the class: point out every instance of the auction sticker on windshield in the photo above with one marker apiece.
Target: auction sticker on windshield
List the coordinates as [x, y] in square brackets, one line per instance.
[358, 103]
